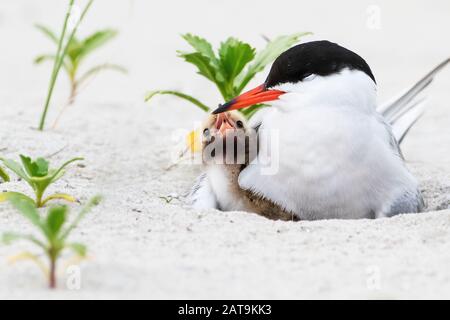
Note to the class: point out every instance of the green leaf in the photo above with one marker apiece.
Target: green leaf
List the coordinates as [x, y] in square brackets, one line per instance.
[179, 95]
[205, 60]
[206, 69]
[16, 168]
[47, 32]
[27, 209]
[44, 57]
[5, 196]
[202, 63]
[95, 201]
[234, 56]
[50, 57]
[95, 70]
[78, 248]
[73, 51]
[93, 42]
[10, 237]
[55, 219]
[74, 42]
[202, 46]
[59, 172]
[27, 164]
[266, 56]
[36, 168]
[58, 196]
[3, 175]
[32, 257]
[41, 166]
[56, 176]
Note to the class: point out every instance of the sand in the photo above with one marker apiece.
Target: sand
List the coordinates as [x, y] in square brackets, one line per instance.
[142, 247]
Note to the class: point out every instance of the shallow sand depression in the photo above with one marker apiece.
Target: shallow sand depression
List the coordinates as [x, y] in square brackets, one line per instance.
[140, 246]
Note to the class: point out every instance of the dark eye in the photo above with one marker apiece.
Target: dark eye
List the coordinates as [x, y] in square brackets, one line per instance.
[239, 124]
[206, 132]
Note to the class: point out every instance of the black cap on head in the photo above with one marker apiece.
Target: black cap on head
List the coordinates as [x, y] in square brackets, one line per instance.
[316, 57]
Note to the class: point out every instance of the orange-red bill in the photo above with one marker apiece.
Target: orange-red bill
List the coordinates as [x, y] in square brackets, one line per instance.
[258, 95]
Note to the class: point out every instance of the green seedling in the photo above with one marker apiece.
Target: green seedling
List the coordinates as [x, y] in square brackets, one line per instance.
[234, 65]
[77, 52]
[60, 55]
[54, 231]
[39, 176]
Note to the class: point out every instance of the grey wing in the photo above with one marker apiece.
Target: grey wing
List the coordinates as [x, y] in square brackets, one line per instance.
[202, 195]
[408, 202]
[411, 201]
[392, 139]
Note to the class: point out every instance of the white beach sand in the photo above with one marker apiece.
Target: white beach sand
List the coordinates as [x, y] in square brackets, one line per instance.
[142, 247]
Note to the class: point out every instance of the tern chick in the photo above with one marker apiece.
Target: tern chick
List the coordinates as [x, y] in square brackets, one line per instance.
[229, 144]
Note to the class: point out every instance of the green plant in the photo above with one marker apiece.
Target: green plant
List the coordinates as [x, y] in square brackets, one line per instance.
[54, 230]
[39, 176]
[232, 68]
[59, 56]
[77, 52]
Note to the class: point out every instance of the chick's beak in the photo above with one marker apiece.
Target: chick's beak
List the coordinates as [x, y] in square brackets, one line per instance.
[223, 123]
[258, 95]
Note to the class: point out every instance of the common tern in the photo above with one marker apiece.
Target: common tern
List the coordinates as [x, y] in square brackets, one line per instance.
[338, 154]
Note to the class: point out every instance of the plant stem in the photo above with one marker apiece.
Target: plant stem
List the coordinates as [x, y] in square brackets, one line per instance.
[68, 104]
[52, 275]
[70, 101]
[73, 93]
[55, 68]
[39, 195]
